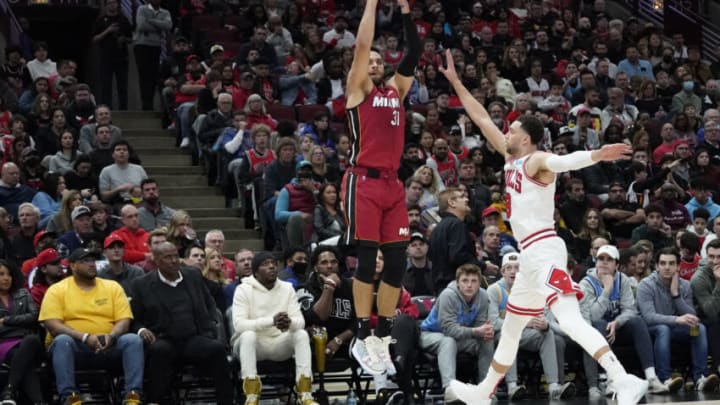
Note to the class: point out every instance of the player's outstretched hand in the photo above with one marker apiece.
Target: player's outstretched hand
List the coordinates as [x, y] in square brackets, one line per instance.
[615, 151]
[449, 71]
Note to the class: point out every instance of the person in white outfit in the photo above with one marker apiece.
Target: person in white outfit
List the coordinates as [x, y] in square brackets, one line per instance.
[543, 279]
[268, 325]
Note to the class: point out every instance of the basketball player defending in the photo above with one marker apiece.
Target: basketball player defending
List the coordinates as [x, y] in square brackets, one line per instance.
[373, 197]
[543, 279]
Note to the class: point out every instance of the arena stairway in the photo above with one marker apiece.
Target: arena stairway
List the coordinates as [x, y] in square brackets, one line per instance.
[182, 185]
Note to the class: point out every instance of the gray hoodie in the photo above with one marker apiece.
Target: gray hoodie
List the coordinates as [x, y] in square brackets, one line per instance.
[455, 317]
[706, 293]
[656, 304]
[594, 307]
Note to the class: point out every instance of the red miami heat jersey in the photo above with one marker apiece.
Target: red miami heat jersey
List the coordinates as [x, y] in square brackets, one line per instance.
[529, 203]
[377, 127]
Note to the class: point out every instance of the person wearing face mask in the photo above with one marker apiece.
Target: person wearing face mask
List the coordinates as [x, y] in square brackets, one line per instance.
[686, 96]
[295, 259]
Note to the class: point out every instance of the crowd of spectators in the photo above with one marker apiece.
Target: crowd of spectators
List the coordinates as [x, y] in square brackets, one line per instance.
[256, 91]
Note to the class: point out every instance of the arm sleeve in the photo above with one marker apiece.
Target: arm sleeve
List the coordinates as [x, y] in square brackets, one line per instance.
[412, 57]
[569, 162]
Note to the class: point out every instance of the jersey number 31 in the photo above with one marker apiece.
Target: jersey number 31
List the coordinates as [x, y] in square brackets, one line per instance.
[395, 121]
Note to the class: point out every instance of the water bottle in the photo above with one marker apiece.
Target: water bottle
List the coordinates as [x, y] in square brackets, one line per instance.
[351, 398]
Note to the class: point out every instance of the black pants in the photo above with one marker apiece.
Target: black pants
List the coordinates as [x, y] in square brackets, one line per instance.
[147, 59]
[713, 340]
[22, 360]
[406, 334]
[208, 355]
[118, 69]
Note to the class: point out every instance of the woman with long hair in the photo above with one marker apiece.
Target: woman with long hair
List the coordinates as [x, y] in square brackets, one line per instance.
[49, 197]
[700, 167]
[63, 161]
[180, 232]
[322, 171]
[592, 226]
[321, 132]
[215, 277]
[647, 99]
[328, 218]
[483, 172]
[41, 114]
[61, 222]
[41, 86]
[20, 346]
[432, 186]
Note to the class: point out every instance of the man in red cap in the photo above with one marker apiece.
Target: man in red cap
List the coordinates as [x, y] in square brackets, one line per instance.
[116, 269]
[49, 271]
[41, 241]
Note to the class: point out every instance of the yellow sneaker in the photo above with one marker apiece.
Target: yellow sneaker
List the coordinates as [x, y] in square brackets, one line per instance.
[132, 398]
[73, 399]
[304, 391]
[252, 388]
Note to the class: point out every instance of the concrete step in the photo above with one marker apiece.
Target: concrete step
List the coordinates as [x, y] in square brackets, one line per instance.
[147, 151]
[180, 191]
[189, 180]
[225, 222]
[166, 159]
[134, 133]
[195, 201]
[152, 142]
[137, 122]
[136, 114]
[199, 213]
[155, 170]
[230, 233]
[232, 246]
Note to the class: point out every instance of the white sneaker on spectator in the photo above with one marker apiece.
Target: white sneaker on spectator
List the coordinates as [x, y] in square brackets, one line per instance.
[656, 387]
[674, 384]
[466, 393]
[594, 394]
[707, 383]
[185, 143]
[364, 351]
[383, 353]
[629, 389]
[517, 393]
[565, 391]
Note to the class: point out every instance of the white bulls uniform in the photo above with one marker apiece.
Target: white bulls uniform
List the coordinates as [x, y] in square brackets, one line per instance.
[543, 255]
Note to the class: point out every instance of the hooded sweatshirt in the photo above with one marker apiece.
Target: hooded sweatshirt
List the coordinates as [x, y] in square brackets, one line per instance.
[657, 306]
[617, 305]
[254, 307]
[706, 293]
[455, 317]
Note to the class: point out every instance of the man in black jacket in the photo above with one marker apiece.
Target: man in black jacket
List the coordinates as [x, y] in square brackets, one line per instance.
[175, 316]
[451, 244]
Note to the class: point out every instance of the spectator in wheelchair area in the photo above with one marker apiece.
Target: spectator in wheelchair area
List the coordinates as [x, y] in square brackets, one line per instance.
[536, 337]
[176, 318]
[666, 304]
[87, 319]
[608, 304]
[459, 323]
[20, 347]
[269, 325]
[704, 285]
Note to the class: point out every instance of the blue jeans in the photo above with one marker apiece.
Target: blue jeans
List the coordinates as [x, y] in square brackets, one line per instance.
[666, 335]
[66, 352]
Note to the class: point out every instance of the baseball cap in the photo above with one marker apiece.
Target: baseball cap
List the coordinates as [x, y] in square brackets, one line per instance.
[216, 48]
[192, 57]
[455, 130]
[609, 250]
[80, 211]
[40, 235]
[419, 236]
[260, 258]
[82, 253]
[302, 164]
[489, 211]
[583, 111]
[48, 255]
[510, 258]
[112, 238]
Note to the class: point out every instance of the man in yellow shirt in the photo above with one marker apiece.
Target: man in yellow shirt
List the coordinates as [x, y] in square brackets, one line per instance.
[88, 318]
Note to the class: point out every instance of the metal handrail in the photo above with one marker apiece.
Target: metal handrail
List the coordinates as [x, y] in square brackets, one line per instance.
[15, 28]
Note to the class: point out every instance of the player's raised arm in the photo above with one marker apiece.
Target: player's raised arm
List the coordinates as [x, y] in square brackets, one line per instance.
[474, 109]
[581, 159]
[405, 74]
[359, 83]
